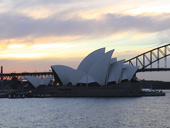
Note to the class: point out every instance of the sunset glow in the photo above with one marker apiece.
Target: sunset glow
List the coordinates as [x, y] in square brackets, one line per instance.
[64, 30]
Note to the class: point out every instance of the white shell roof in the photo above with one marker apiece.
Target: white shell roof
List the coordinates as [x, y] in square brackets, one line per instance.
[41, 82]
[97, 67]
[75, 76]
[67, 74]
[113, 60]
[128, 72]
[131, 71]
[100, 68]
[35, 81]
[62, 72]
[124, 74]
[116, 71]
[87, 79]
[47, 80]
[89, 60]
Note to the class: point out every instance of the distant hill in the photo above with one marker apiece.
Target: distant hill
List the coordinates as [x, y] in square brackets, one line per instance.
[155, 84]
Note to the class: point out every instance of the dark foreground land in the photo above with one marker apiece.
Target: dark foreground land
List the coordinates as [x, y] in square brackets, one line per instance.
[155, 84]
[125, 89]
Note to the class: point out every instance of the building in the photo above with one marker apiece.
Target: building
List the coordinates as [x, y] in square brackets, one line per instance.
[97, 69]
[36, 82]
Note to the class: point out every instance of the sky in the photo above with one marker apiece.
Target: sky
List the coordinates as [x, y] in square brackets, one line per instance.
[35, 34]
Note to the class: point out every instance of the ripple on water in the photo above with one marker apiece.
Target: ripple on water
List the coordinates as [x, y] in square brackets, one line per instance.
[148, 112]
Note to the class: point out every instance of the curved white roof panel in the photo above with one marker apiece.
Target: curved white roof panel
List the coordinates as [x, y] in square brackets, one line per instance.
[126, 65]
[124, 74]
[128, 72]
[88, 61]
[87, 79]
[99, 69]
[116, 71]
[62, 72]
[113, 60]
[131, 71]
[67, 74]
[35, 81]
[42, 83]
[75, 76]
[47, 80]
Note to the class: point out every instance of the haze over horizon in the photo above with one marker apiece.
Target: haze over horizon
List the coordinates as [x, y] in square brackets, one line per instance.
[36, 34]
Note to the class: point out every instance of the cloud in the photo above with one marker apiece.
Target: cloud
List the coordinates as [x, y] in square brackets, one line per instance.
[15, 25]
[163, 37]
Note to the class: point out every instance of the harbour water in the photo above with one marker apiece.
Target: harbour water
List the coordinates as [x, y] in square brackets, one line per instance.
[140, 112]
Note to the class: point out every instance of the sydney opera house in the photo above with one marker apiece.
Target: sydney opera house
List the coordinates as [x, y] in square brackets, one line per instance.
[97, 75]
[98, 68]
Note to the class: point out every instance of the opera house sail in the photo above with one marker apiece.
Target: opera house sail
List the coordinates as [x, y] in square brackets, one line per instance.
[36, 82]
[98, 68]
